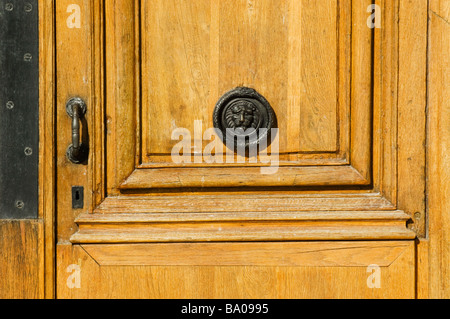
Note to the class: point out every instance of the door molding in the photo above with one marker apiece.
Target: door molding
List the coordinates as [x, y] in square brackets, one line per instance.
[367, 184]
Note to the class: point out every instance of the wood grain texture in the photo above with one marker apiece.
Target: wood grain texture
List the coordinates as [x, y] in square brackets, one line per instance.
[47, 203]
[28, 246]
[244, 203]
[254, 278]
[219, 227]
[122, 35]
[319, 78]
[233, 177]
[303, 254]
[75, 77]
[242, 217]
[21, 260]
[245, 231]
[175, 70]
[385, 101]
[423, 267]
[186, 78]
[345, 62]
[123, 119]
[316, 118]
[361, 91]
[255, 45]
[412, 109]
[161, 217]
[438, 150]
[122, 89]
[97, 115]
[146, 205]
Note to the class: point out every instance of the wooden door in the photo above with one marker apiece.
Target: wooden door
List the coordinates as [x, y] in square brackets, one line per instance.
[330, 209]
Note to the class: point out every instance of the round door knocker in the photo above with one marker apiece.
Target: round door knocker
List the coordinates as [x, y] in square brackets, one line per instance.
[244, 117]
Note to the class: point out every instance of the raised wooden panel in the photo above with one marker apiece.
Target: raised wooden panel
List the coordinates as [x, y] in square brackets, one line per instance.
[195, 51]
[255, 271]
[160, 55]
[312, 254]
[179, 57]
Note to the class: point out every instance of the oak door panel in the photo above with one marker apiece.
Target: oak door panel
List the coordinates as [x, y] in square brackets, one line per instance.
[149, 67]
[179, 57]
[241, 271]
[195, 51]
[137, 52]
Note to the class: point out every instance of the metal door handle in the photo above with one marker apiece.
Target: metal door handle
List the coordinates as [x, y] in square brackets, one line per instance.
[76, 109]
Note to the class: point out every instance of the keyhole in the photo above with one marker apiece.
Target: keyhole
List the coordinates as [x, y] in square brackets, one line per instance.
[77, 197]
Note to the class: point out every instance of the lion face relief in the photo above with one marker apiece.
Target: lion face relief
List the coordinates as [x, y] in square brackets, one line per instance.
[242, 114]
[244, 118]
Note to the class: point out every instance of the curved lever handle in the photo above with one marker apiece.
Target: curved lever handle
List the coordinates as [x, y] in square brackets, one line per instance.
[76, 109]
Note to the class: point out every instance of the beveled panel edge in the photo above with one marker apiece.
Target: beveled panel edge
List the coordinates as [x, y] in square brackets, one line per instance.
[245, 203]
[297, 254]
[234, 177]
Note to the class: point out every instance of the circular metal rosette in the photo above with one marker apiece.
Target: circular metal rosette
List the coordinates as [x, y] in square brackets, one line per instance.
[244, 118]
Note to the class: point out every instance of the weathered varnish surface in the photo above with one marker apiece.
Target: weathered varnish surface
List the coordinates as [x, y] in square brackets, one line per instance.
[353, 168]
[359, 151]
[434, 252]
[337, 98]
[20, 260]
[27, 247]
[310, 270]
[215, 46]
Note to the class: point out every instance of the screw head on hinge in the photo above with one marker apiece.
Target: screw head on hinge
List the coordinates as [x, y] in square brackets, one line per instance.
[20, 204]
[28, 7]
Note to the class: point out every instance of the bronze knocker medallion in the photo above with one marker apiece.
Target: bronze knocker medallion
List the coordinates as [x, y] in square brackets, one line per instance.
[244, 117]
